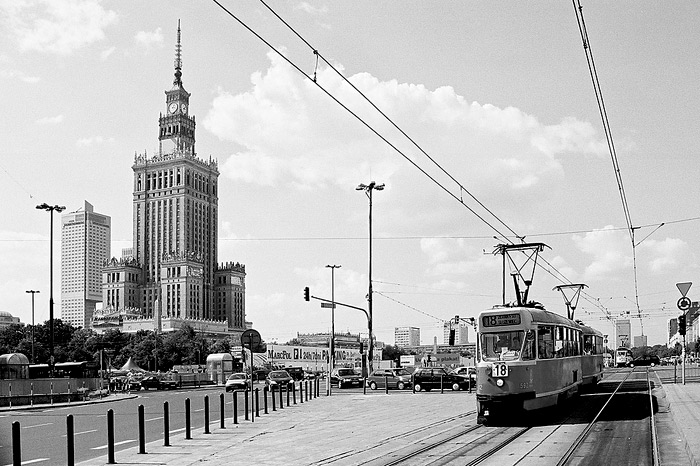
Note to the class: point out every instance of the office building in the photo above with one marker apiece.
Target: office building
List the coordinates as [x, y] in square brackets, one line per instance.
[406, 336]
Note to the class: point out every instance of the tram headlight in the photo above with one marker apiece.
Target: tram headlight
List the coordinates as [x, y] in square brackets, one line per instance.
[499, 382]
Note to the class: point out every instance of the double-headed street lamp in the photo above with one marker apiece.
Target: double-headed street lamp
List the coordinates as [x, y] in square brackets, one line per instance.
[33, 292]
[59, 209]
[368, 188]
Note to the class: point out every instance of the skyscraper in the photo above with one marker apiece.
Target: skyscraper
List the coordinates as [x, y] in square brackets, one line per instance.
[85, 245]
[407, 336]
[173, 276]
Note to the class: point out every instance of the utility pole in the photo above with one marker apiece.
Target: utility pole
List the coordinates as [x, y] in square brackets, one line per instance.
[331, 358]
[33, 292]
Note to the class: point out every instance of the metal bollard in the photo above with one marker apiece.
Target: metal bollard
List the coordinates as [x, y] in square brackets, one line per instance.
[166, 424]
[110, 437]
[142, 431]
[206, 414]
[188, 425]
[294, 392]
[257, 402]
[272, 397]
[281, 399]
[386, 384]
[287, 388]
[70, 441]
[222, 415]
[16, 445]
[235, 407]
[301, 392]
[265, 398]
[247, 417]
[442, 389]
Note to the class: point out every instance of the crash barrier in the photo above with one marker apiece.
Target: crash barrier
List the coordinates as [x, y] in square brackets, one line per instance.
[23, 392]
[306, 390]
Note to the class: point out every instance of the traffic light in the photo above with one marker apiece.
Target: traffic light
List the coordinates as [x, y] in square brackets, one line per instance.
[306, 293]
[452, 337]
[681, 324]
[362, 347]
[457, 320]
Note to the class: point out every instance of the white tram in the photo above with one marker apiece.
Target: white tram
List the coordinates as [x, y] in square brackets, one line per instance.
[623, 356]
[531, 358]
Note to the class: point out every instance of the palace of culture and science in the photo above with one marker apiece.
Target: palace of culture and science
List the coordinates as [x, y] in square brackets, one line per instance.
[171, 277]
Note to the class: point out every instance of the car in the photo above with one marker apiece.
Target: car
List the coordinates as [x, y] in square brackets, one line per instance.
[468, 372]
[158, 383]
[393, 378]
[428, 378]
[646, 360]
[278, 379]
[238, 381]
[345, 377]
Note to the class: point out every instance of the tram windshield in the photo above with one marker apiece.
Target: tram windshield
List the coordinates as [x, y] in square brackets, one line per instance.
[501, 346]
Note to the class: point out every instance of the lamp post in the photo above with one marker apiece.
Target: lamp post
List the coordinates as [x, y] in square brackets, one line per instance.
[33, 292]
[332, 342]
[372, 186]
[51, 208]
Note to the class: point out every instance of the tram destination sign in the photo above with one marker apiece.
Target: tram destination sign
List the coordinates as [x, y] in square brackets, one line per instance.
[500, 320]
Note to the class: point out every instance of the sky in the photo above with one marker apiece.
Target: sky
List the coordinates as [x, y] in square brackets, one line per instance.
[497, 94]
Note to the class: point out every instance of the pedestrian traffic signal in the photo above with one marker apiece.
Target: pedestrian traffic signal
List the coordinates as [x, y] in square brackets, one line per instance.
[681, 324]
[306, 293]
[452, 337]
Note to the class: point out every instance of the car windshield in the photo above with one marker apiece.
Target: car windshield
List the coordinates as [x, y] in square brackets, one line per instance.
[236, 376]
[501, 346]
[346, 372]
[279, 375]
[399, 372]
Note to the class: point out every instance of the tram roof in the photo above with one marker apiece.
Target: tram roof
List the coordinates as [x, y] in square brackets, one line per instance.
[537, 315]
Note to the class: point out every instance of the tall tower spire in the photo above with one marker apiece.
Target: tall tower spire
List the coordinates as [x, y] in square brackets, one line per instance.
[178, 58]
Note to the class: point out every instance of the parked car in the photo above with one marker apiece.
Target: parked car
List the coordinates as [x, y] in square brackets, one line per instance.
[153, 381]
[468, 372]
[278, 379]
[428, 378]
[646, 360]
[238, 381]
[297, 373]
[393, 378]
[345, 377]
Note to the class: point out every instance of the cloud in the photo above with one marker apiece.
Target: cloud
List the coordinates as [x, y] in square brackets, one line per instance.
[93, 140]
[57, 26]
[667, 255]
[610, 250]
[308, 8]
[54, 120]
[148, 39]
[487, 147]
[16, 74]
[106, 53]
[455, 256]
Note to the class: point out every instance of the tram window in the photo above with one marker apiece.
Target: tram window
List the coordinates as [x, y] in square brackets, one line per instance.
[588, 347]
[529, 346]
[501, 346]
[545, 342]
[559, 349]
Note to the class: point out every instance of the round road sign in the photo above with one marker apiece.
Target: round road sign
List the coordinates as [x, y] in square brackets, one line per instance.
[684, 303]
[251, 338]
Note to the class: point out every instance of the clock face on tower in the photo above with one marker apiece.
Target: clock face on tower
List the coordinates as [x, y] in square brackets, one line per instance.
[173, 107]
[183, 107]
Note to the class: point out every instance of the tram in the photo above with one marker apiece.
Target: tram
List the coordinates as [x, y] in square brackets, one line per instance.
[530, 358]
[623, 356]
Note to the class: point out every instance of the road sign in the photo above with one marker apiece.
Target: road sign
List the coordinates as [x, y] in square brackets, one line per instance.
[684, 303]
[328, 305]
[251, 338]
[684, 287]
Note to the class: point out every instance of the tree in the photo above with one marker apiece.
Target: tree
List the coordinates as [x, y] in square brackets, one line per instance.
[392, 353]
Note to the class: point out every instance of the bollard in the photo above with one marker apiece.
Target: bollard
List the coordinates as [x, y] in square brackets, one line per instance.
[235, 407]
[70, 441]
[318, 388]
[281, 399]
[272, 397]
[386, 384]
[246, 405]
[206, 414]
[142, 431]
[222, 415]
[110, 437]
[294, 392]
[31, 394]
[257, 402]
[301, 392]
[288, 392]
[265, 398]
[51, 384]
[188, 425]
[68, 392]
[442, 389]
[413, 383]
[166, 424]
[16, 445]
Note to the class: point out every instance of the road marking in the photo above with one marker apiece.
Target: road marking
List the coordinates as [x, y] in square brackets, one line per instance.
[38, 425]
[37, 460]
[154, 419]
[85, 432]
[117, 443]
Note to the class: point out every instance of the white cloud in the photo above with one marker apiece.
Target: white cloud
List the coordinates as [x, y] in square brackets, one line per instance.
[149, 39]
[666, 255]
[456, 256]
[93, 140]
[307, 7]
[16, 74]
[486, 146]
[57, 26]
[54, 120]
[610, 250]
[106, 53]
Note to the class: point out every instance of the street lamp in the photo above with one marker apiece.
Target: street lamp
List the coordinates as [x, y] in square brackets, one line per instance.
[51, 208]
[332, 342]
[33, 292]
[372, 186]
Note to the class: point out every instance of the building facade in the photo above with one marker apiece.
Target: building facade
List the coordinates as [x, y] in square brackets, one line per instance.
[406, 336]
[461, 335]
[623, 333]
[172, 276]
[85, 246]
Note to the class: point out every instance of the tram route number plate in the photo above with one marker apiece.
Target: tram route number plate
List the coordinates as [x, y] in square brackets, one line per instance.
[499, 369]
